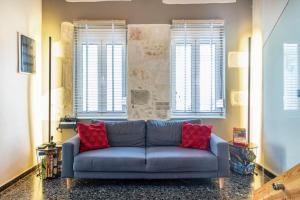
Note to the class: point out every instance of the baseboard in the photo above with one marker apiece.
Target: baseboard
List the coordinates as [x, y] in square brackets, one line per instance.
[14, 180]
[266, 171]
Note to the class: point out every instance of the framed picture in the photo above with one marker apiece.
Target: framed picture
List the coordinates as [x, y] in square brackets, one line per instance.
[27, 54]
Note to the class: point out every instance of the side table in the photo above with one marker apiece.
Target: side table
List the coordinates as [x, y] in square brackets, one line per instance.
[49, 161]
[242, 158]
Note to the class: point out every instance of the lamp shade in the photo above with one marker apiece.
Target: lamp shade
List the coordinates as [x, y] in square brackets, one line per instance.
[237, 59]
[57, 49]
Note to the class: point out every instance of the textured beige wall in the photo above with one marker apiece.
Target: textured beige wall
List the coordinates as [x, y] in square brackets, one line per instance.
[67, 34]
[238, 27]
[66, 74]
[148, 71]
[20, 94]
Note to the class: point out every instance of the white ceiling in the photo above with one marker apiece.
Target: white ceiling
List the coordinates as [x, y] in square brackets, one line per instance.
[93, 0]
[168, 1]
[197, 1]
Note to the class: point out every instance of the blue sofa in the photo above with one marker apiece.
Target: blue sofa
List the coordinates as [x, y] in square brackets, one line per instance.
[145, 150]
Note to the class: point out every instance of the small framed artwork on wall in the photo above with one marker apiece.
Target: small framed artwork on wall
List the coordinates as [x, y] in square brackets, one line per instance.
[26, 54]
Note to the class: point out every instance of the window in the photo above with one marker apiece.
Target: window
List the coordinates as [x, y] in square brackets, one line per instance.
[290, 77]
[100, 69]
[198, 78]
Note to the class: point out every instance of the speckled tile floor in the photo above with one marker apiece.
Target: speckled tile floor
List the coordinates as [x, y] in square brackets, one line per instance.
[236, 187]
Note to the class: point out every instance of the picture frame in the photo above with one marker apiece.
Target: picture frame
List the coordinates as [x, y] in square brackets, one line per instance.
[26, 54]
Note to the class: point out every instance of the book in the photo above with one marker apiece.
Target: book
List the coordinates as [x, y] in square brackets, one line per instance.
[50, 162]
[44, 176]
[55, 163]
[47, 166]
[240, 136]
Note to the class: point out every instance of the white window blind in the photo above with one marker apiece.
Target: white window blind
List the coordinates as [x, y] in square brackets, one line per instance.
[290, 77]
[100, 82]
[198, 69]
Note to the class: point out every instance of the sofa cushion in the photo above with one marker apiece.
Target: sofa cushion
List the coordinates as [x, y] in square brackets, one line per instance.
[92, 136]
[114, 159]
[177, 159]
[125, 133]
[166, 133]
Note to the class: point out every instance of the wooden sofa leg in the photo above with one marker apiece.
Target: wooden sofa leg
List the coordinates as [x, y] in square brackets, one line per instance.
[221, 183]
[69, 183]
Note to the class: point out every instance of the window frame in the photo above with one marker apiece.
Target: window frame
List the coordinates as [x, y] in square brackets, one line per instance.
[196, 112]
[102, 112]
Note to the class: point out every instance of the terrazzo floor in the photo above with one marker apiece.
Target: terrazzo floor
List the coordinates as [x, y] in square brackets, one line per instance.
[236, 187]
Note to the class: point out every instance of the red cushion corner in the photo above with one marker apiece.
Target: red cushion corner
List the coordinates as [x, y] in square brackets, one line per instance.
[92, 136]
[196, 136]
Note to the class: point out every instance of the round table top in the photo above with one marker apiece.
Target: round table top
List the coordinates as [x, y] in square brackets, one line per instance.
[249, 146]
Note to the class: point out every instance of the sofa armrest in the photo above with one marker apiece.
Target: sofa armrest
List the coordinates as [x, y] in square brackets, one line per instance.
[69, 150]
[220, 148]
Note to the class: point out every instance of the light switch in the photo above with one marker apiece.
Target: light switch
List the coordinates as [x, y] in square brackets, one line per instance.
[239, 98]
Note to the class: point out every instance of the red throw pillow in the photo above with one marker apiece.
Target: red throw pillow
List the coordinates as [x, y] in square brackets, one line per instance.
[196, 136]
[92, 136]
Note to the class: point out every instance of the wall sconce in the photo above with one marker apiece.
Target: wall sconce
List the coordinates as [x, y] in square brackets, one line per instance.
[57, 49]
[238, 59]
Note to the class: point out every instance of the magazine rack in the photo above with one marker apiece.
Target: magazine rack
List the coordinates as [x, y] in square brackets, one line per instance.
[242, 158]
[49, 162]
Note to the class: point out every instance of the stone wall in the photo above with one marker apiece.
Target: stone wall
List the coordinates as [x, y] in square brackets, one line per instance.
[67, 34]
[148, 71]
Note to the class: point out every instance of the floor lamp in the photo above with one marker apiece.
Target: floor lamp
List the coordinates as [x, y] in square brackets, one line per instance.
[240, 59]
[249, 89]
[50, 138]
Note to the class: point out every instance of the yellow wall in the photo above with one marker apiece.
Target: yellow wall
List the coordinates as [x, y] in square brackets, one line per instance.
[237, 16]
[20, 127]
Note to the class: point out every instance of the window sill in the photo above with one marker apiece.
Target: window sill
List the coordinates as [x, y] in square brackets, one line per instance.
[101, 117]
[122, 116]
[197, 117]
